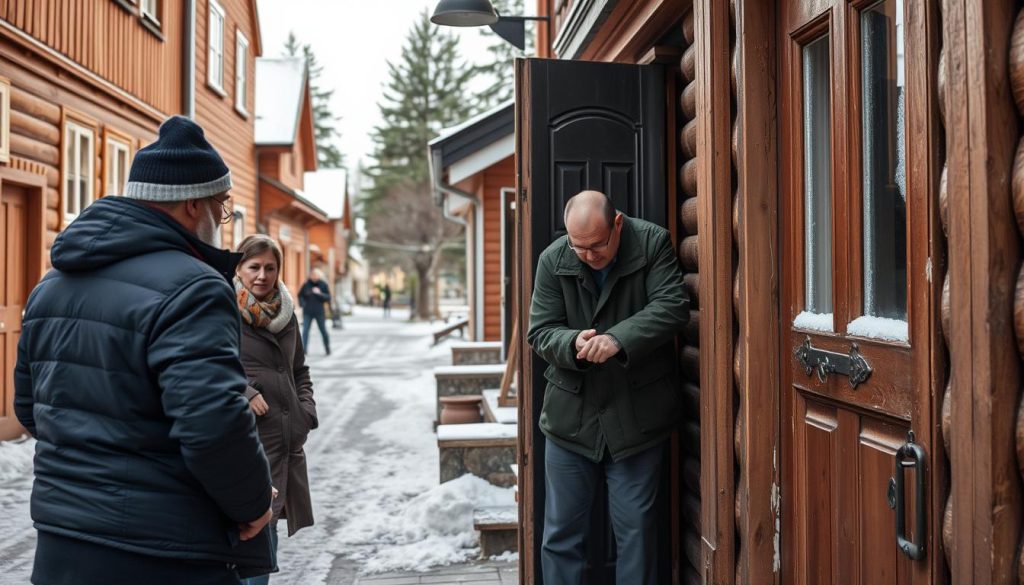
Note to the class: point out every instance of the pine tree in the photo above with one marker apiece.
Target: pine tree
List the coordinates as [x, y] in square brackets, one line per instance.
[427, 90]
[327, 153]
[500, 69]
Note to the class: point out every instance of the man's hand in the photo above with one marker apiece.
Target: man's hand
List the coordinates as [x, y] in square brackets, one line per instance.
[251, 529]
[597, 349]
[258, 405]
[583, 338]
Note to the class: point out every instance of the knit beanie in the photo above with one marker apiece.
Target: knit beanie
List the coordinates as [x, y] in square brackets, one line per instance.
[180, 165]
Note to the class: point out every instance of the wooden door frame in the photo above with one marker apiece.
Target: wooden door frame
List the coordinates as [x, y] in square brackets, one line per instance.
[31, 177]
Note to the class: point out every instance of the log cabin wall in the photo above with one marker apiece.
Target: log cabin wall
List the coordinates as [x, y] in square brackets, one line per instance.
[229, 129]
[943, 276]
[495, 178]
[1016, 75]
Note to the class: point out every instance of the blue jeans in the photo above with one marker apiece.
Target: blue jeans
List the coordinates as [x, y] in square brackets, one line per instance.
[571, 482]
[264, 579]
[307, 321]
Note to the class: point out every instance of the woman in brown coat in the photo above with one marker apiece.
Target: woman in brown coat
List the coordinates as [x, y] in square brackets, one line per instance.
[280, 392]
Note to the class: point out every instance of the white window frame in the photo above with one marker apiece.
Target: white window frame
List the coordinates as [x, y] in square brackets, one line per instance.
[215, 51]
[73, 134]
[149, 9]
[241, 72]
[238, 225]
[116, 175]
[5, 120]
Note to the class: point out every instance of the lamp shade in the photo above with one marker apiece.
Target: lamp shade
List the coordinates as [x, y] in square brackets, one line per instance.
[464, 13]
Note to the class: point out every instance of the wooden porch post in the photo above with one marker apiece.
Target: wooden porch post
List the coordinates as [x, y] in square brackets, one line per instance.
[984, 258]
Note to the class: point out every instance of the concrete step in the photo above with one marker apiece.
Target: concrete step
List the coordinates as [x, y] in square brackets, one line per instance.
[499, 529]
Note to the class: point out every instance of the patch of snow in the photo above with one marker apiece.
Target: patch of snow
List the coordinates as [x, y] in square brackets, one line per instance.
[814, 321]
[508, 415]
[477, 345]
[475, 431]
[879, 328]
[472, 370]
[279, 90]
[496, 515]
[508, 556]
[16, 459]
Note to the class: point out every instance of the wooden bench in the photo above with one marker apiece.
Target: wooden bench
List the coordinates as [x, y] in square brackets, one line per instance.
[499, 529]
[459, 325]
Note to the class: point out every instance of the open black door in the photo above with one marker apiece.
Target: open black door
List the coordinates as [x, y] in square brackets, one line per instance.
[579, 125]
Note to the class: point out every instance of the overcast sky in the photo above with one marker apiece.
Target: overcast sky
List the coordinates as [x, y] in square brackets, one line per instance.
[353, 40]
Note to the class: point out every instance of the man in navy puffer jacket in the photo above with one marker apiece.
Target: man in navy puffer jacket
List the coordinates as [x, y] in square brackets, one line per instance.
[148, 468]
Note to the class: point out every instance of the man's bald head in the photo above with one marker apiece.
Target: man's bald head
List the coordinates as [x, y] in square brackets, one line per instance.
[582, 206]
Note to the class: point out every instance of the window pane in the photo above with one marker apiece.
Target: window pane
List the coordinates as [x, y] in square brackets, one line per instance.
[70, 197]
[817, 176]
[112, 171]
[884, 181]
[123, 176]
[85, 170]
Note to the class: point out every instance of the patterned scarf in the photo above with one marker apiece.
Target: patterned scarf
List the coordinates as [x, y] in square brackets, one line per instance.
[272, 314]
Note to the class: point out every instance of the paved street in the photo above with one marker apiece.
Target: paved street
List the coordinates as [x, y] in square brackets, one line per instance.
[372, 465]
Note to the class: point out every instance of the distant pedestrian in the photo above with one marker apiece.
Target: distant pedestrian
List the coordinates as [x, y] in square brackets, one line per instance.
[280, 392]
[312, 296]
[148, 467]
[611, 399]
[385, 300]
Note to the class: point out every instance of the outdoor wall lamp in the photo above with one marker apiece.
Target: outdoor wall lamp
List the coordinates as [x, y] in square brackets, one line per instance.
[482, 13]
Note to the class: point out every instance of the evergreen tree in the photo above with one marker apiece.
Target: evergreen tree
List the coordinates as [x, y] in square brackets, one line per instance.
[427, 90]
[327, 153]
[500, 70]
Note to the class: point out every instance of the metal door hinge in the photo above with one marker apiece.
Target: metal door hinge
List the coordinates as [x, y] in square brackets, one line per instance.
[824, 362]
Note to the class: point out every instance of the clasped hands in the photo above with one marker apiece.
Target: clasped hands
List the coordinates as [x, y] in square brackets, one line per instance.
[595, 348]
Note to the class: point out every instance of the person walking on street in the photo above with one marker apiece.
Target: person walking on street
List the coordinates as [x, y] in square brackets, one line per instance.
[385, 300]
[312, 296]
[280, 397]
[608, 301]
[148, 466]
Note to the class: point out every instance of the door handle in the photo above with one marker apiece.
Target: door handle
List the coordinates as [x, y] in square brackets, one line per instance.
[909, 455]
[824, 362]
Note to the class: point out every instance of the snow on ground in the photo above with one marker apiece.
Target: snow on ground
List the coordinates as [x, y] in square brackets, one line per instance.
[16, 458]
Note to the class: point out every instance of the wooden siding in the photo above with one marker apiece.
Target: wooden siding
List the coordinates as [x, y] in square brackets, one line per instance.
[495, 178]
[111, 42]
[230, 132]
[293, 240]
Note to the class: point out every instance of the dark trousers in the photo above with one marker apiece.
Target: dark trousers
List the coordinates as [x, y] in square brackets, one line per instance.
[571, 483]
[68, 561]
[307, 320]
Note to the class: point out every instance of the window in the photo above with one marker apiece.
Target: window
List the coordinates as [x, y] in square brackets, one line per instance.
[215, 40]
[5, 120]
[149, 9]
[238, 227]
[241, 72]
[79, 175]
[118, 161]
[817, 136]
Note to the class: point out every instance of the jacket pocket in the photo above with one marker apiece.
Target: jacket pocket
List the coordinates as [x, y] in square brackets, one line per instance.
[654, 397]
[562, 412]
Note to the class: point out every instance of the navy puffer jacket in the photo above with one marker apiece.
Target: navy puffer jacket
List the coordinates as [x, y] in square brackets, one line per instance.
[128, 375]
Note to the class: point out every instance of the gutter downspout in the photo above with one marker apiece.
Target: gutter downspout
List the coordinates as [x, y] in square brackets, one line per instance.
[441, 188]
[189, 65]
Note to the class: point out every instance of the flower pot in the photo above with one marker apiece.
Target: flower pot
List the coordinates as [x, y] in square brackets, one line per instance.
[456, 410]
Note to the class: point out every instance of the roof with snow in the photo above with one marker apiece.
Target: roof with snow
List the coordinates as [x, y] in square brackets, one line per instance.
[280, 87]
[463, 140]
[326, 189]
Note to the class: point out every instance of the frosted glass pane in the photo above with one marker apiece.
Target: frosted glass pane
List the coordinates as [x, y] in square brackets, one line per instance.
[884, 157]
[817, 133]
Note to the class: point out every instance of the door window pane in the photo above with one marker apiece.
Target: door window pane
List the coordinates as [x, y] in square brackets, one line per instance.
[817, 134]
[884, 158]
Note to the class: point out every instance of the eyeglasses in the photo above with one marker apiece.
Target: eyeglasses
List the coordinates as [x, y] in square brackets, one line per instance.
[225, 209]
[592, 249]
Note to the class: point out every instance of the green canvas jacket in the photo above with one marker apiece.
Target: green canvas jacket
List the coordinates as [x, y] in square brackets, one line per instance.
[632, 401]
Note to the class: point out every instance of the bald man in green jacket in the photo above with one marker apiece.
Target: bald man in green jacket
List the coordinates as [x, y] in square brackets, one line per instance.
[608, 301]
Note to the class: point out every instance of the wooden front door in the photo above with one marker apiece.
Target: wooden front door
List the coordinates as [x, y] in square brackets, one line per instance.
[579, 125]
[14, 288]
[857, 307]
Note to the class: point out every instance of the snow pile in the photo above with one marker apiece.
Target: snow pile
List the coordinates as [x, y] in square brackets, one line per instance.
[814, 321]
[476, 431]
[879, 328]
[433, 528]
[16, 459]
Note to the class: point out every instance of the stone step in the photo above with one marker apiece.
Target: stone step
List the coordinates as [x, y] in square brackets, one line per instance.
[495, 413]
[499, 529]
[464, 380]
[476, 353]
[484, 449]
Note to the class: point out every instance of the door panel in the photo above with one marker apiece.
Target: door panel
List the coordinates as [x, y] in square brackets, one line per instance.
[13, 285]
[580, 125]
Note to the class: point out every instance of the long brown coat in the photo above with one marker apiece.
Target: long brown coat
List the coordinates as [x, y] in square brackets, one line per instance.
[276, 367]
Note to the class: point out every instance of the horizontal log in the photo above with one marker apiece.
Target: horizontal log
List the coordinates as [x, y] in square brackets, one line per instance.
[52, 219]
[691, 401]
[1017, 185]
[688, 139]
[737, 437]
[34, 128]
[737, 202]
[688, 64]
[688, 177]
[947, 529]
[691, 282]
[688, 253]
[688, 26]
[691, 509]
[690, 361]
[941, 82]
[944, 198]
[1018, 313]
[690, 576]
[52, 198]
[737, 365]
[734, 65]
[688, 101]
[688, 215]
[35, 106]
[691, 333]
[735, 141]
[34, 150]
[946, 422]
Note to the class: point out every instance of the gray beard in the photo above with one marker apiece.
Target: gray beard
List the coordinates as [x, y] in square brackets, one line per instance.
[208, 232]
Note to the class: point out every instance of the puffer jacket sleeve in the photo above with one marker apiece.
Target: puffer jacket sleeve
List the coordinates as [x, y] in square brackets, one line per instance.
[549, 334]
[303, 383]
[23, 398]
[193, 349]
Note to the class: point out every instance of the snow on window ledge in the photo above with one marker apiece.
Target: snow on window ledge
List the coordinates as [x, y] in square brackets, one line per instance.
[814, 321]
[879, 328]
